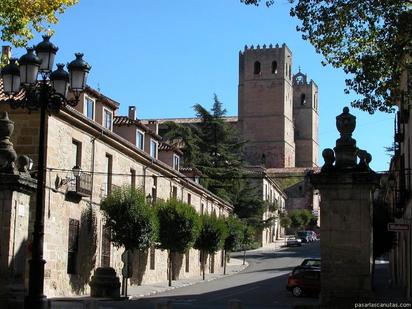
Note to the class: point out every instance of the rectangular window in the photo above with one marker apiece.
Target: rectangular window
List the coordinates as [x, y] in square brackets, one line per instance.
[202, 208]
[140, 139]
[153, 149]
[105, 258]
[189, 198]
[107, 119]
[174, 192]
[152, 257]
[76, 157]
[108, 170]
[176, 162]
[132, 178]
[72, 246]
[89, 108]
[187, 261]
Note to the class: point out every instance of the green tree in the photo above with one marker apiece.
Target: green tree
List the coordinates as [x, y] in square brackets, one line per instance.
[19, 18]
[179, 226]
[221, 149]
[367, 39]
[300, 218]
[248, 240]
[234, 237]
[285, 222]
[130, 220]
[211, 237]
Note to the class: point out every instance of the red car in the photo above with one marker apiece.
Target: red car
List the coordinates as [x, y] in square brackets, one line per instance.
[304, 281]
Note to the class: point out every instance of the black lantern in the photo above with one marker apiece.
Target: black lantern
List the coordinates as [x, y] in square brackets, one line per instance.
[29, 67]
[47, 94]
[46, 51]
[78, 71]
[11, 77]
[60, 80]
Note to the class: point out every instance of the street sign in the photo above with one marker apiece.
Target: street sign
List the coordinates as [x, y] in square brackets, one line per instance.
[398, 227]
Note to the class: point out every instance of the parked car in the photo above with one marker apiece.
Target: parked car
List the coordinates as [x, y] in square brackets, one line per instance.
[304, 236]
[313, 236]
[306, 281]
[313, 262]
[307, 263]
[292, 241]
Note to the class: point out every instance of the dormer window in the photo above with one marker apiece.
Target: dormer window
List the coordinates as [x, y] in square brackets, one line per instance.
[140, 139]
[107, 119]
[256, 68]
[153, 148]
[88, 109]
[176, 162]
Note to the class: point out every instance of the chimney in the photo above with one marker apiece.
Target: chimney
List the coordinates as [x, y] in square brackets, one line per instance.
[132, 112]
[5, 54]
[154, 125]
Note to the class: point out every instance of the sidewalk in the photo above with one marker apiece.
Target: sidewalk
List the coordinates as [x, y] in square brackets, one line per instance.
[136, 292]
[233, 267]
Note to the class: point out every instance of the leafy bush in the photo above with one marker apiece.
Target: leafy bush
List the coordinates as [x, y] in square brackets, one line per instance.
[129, 217]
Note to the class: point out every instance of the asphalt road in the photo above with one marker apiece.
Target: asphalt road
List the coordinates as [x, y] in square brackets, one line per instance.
[261, 285]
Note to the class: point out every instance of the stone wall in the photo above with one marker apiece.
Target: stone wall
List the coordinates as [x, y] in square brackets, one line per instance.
[96, 144]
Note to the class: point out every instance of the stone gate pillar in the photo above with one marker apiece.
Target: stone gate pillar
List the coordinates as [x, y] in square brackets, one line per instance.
[16, 186]
[346, 185]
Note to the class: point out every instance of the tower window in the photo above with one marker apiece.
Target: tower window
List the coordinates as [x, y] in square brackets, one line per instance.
[302, 99]
[256, 68]
[274, 67]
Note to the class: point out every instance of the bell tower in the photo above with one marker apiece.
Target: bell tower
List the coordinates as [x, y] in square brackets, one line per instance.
[265, 105]
[306, 117]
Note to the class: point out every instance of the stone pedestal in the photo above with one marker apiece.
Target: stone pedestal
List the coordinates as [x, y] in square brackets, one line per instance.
[105, 283]
[15, 193]
[346, 211]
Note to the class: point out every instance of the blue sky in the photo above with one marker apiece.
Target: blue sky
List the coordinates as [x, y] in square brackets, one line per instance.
[165, 56]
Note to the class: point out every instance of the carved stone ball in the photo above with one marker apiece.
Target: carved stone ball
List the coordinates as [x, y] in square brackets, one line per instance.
[329, 156]
[23, 163]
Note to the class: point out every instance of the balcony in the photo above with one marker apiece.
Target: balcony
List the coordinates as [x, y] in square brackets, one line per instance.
[81, 185]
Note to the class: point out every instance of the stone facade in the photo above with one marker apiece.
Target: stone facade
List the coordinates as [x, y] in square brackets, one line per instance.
[278, 111]
[275, 199]
[75, 241]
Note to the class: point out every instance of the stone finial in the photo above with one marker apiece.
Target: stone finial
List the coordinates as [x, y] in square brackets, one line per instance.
[264, 46]
[345, 123]
[270, 46]
[329, 158]
[345, 149]
[364, 159]
[7, 153]
[23, 164]
[277, 45]
[258, 46]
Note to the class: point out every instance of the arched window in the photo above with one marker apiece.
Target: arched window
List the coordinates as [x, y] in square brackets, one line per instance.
[290, 71]
[274, 67]
[302, 99]
[256, 68]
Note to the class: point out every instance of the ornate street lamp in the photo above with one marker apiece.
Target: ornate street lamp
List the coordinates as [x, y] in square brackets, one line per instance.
[47, 94]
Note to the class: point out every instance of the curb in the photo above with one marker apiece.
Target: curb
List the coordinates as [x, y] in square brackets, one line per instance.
[136, 297]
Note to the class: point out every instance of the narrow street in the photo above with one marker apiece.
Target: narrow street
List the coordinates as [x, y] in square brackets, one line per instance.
[261, 285]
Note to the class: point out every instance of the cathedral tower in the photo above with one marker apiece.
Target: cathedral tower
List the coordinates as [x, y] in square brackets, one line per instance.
[306, 119]
[265, 105]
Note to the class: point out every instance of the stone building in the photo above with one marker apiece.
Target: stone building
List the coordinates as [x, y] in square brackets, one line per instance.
[278, 118]
[399, 185]
[111, 151]
[278, 111]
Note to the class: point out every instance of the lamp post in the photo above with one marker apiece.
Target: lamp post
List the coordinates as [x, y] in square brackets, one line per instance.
[47, 94]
